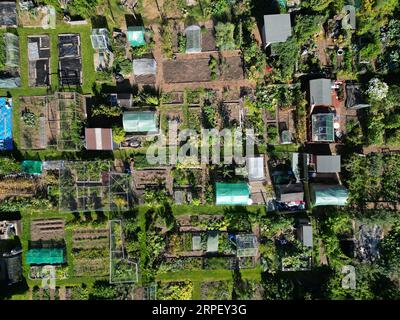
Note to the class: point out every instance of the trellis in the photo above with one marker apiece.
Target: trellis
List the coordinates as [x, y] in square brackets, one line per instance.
[79, 191]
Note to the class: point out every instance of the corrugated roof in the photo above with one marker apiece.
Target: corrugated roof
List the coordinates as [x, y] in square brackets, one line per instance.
[320, 92]
[140, 121]
[328, 164]
[277, 28]
[99, 139]
[232, 193]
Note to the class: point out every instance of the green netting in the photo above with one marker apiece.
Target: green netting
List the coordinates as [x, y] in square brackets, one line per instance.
[232, 193]
[322, 127]
[140, 121]
[32, 167]
[45, 256]
[328, 195]
[136, 36]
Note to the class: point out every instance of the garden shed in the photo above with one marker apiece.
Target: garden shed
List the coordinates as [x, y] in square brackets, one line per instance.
[328, 164]
[328, 195]
[291, 193]
[305, 235]
[320, 92]
[136, 36]
[144, 66]
[232, 194]
[322, 127]
[355, 97]
[140, 121]
[11, 43]
[100, 39]
[45, 256]
[277, 28]
[32, 167]
[193, 39]
[99, 139]
[255, 168]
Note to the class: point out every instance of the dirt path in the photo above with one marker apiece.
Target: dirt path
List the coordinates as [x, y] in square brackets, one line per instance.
[61, 293]
[158, 56]
[323, 260]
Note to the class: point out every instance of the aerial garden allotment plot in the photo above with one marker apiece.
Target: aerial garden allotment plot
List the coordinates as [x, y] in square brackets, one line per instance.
[88, 86]
[92, 186]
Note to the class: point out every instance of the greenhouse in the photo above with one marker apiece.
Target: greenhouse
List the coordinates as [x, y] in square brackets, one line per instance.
[193, 39]
[136, 36]
[322, 127]
[328, 195]
[140, 121]
[45, 256]
[232, 194]
[100, 40]
[144, 66]
[247, 245]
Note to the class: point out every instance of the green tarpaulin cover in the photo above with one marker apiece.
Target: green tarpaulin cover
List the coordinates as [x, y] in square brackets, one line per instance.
[32, 167]
[136, 36]
[232, 193]
[140, 121]
[328, 195]
[45, 256]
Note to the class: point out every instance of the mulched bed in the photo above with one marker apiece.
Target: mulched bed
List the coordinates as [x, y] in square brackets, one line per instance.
[197, 70]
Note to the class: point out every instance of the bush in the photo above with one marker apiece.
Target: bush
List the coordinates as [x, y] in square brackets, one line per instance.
[224, 38]
[9, 166]
[105, 110]
[118, 134]
[30, 119]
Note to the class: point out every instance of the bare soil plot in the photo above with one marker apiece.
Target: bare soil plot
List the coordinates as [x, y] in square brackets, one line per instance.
[47, 229]
[208, 40]
[198, 70]
[33, 135]
[145, 178]
[148, 79]
[231, 113]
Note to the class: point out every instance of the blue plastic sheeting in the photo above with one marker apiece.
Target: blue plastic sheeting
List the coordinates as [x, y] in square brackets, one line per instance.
[6, 142]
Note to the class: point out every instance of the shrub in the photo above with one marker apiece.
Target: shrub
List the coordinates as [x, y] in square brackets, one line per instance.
[118, 134]
[30, 119]
[105, 110]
